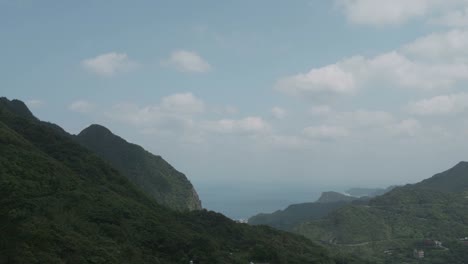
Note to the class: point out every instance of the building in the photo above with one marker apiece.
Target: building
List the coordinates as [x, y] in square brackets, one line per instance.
[419, 254]
[464, 240]
[429, 243]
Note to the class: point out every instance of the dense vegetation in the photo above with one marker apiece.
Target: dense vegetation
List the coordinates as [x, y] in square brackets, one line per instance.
[435, 209]
[333, 197]
[328, 202]
[452, 180]
[60, 203]
[296, 214]
[151, 173]
[369, 192]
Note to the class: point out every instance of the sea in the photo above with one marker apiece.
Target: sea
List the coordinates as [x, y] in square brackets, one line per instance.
[240, 202]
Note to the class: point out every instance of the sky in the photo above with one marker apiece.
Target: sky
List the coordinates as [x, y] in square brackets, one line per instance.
[276, 100]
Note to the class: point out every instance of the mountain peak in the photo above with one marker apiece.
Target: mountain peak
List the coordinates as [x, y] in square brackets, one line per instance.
[462, 164]
[454, 179]
[16, 106]
[148, 171]
[96, 129]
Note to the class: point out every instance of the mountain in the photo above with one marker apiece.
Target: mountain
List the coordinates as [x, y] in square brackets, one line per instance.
[296, 214]
[369, 192]
[151, 173]
[434, 209]
[328, 202]
[61, 203]
[452, 180]
[16, 106]
[333, 197]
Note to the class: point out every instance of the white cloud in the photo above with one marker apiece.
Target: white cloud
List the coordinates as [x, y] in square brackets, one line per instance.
[278, 112]
[441, 46]
[34, 103]
[325, 132]
[81, 106]
[407, 127]
[363, 125]
[383, 12]
[362, 118]
[394, 12]
[183, 103]
[109, 64]
[231, 110]
[181, 115]
[224, 110]
[188, 61]
[286, 142]
[247, 125]
[329, 80]
[440, 105]
[395, 69]
[455, 18]
[172, 111]
[320, 110]
[391, 69]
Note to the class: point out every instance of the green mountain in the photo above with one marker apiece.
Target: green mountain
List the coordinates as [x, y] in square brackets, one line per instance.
[452, 180]
[333, 197]
[61, 203]
[151, 173]
[296, 214]
[369, 192]
[436, 209]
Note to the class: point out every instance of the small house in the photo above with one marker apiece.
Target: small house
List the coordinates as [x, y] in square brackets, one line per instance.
[418, 253]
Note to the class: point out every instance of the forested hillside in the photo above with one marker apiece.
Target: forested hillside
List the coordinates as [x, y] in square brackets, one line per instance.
[60, 203]
[151, 173]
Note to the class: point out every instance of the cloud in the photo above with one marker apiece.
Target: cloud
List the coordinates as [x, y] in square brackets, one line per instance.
[287, 142]
[247, 125]
[34, 103]
[172, 111]
[391, 69]
[407, 127]
[224, 110]
[81, 106]
[231, 110]
[182, 116]
[362, 118]
[455, 18]
[383, 12]
[182, 103]
[329, 80]
[440, 105]
[441, 46]
[395, 12]
[320, 110]
[187, 61]
[325, 132]
[363, 125]
[109, 64]
[278, 112]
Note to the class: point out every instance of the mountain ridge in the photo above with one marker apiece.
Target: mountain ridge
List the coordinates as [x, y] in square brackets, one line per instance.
[433, 209]
[333, 197]
[150, 172]
[61, 203]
